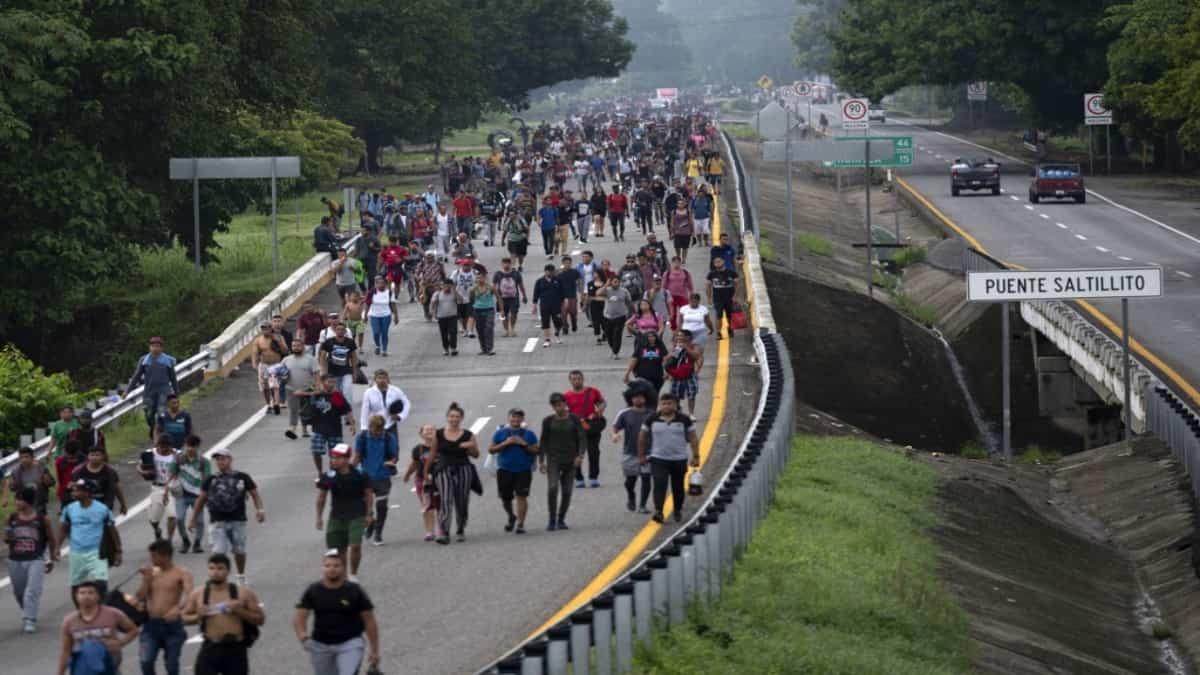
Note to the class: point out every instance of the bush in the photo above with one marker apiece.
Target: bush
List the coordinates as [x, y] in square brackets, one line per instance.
[29, 398]
[815, 245]
[917, 311]
[973, 450]
[1035, 455]
[908, 256]
[766, 249]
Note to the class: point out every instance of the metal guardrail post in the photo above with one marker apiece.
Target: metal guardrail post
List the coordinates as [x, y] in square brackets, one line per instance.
[602, 626]
[643, 603]
[687, 554]
[510, 666]
[581, 640]
[712, 535]
[556, 651]
[623, 620]
[535, 657]
[700, 550]
[658, 585]
[675, 608]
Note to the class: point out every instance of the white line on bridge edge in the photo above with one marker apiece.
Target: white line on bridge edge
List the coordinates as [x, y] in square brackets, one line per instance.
[1044, 216]
[479, 424]
[530, 345]
[510, 384]
[1080, 237]
[1102, 249]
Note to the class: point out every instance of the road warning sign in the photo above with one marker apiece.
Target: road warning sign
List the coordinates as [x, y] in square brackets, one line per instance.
[854, 114]
[977, 91]
[765, 82]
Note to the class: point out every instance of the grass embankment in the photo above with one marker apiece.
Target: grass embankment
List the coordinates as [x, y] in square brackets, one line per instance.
[840, 578]
[740, 131]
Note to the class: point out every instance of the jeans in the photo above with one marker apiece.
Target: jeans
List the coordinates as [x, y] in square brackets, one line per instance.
[185, 501]
[560, 475]
[221, 659]
[339, 659]
[664, 471]
[485, 328]
[152, 403]
[448, 327]
[345, 384]
[722, 307]
[463, 224]
[593, 461]
[168, 636]
[27, 576]
[614, 331]
[443, 244]
[379, 330]
[582, 223]
[548, 241]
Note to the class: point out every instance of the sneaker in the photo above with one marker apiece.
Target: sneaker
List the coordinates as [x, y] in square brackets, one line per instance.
[443, 540]
[453, 352]
[305, 434]
[562, 524]
[275, 409]
[352, 578]
[546, 343]
[630, 506]
[460, 537]
[384, 354]
[595, 483]
[186, 543]
[512, 520]
[580, 484]
[445, 352]
[428, 536]
[290, 434]
[241, 580]
[657, 517]
[552, 526]
[643, 510]
[197, 547]
[558, 341]
[377, 351]
[29, 626]
[520, 529]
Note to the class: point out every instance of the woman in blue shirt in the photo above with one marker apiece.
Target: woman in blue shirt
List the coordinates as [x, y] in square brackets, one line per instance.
[376, 453]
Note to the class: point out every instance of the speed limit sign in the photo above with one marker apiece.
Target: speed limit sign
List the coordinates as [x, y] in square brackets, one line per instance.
[854, 113]
[802, 88]
[1094, 110]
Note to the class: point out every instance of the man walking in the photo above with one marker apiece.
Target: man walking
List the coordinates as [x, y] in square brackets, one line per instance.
[720, 289]
[329, 406]
[85, 522]
[303, 370]
[381, 400]
[224, 493]
[175, 422]
[155, 370]
[189, 470]
[351, 506]
[28, 473]
[28, 536]
[563, 445]
[342, 613]
[587, 403]
[229, 618]
[157, 469]
[516, 449]
[268, 350]
[165, 588]
[664, 442]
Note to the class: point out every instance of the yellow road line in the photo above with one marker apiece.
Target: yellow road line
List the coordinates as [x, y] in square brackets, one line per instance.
[1086, 306]
[642, 539]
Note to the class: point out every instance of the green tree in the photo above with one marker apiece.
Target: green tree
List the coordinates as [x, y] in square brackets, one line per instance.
[810, 35]
[29, 397]
[738, 42]
[662, 58]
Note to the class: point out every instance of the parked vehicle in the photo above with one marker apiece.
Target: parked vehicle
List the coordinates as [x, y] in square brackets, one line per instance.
[1057, 181]
[981, 173]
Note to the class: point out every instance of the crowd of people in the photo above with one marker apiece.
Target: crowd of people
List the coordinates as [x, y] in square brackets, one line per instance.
[661, 167]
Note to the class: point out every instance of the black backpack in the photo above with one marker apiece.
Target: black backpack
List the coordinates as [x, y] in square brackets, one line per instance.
[250, 631]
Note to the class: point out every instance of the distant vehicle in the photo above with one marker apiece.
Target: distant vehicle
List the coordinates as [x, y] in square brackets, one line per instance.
[1057, 181]
[877, 113]
[974, 174]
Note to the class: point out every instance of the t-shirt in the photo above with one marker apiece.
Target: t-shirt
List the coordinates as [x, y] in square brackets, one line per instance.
[162, 466]
[569, 278]
[563, 438]
[302, 370]
[451, 452]
[177, 427]
[515, 458]
[106, 480]
[103, 626]
[87, 524]
[548, 217]
[337, 612]
[27, 538]
[629, 422]
[463, 281]
[231, 487]
[723, 282]
[668, 440]
[59, 430]
[346, 492]
[724, 252]
[693, 318]
[330, 407]
[419, 454]
[507, 284]
[191, 473]
[33, 477]
[648, 362]
[582, 403]
[339, 352]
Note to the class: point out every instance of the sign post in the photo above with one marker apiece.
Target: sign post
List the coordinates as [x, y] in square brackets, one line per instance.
[1006, 286]
[1096, 113]
[774, 122]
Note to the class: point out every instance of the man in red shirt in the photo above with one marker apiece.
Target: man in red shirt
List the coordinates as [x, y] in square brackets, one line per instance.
[311, 323]
[617, 204]
[587, 403]
[465, 212]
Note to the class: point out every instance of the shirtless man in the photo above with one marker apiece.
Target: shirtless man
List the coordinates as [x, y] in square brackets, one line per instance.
[223, 617]
[352, 314]
[269, 349]
[165, 588]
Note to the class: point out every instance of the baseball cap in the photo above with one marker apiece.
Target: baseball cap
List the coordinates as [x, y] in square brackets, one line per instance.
[340, 450]
[430, 253]
[222, 452]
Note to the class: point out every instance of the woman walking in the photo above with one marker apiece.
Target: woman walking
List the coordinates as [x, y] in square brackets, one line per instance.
[595, 306]
[450, 462]
[664, 443]
[682, 228]
[483, 303]
[425, 489]
[445, 307]
[375, 453]
[644, 320]
[616, 307]
[382, 312]
[647, 361]
[599, 207]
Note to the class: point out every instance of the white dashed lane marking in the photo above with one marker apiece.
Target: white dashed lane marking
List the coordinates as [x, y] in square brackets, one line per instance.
[510, 384]
[479, 424]
[1061, 225]
[1044, 216]
[530, 345]
[1029, 207]
[1014, 198]
[1102, 249]
[1183, 274]
[1080, 237]
[1125, 258]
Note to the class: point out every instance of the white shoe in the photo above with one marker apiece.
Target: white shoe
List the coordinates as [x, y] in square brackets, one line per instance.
[558, 341]
[353, 578]
[545, 343]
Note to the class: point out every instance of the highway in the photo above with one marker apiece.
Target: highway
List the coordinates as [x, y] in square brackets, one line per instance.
[1100, 233]
[441, 609]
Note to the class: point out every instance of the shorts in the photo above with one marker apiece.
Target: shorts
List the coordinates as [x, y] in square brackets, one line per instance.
[548, 314]
[702, 226]
[86, 566]
[227, 536]
[509, 483]
[464, 311]
[715, 178]
[343, 532]
[518, 248]
[682, 241]
[266, 381]
[562, 234]
[382, 487]
[510, 307]
[354, 327]
[156, 509]
[685, 388]
[322, 444]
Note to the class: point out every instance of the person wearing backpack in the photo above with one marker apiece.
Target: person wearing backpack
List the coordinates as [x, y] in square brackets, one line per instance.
[682, 365]
[229, 618]
[224, 493]
[564, 444]
[511, 289]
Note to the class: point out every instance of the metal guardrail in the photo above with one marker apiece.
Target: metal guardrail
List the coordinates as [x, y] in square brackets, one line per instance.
[691, 566]
[218, 354]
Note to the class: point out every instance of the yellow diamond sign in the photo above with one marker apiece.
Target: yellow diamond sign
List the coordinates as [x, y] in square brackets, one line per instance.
[765, 82]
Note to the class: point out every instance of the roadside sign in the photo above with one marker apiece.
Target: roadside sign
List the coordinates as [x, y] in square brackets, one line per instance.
[205, 168]
[886, 151]
[854, 114]
[802, 88]
[1073, 284]
[670, 93]
[765, 82]
[977, 91]
[772, 121]
[1094, 110]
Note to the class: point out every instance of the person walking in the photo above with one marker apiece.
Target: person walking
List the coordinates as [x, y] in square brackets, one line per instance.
[424, 486]
[516, 449]
[382, 313]
[85, 523]
[450, 464]
[224, 493]
[483, 305]
[702, 212]
[595, 303]
[647, 361]
[563, 446]
[548, 218]
[174, 421]
[351, 508]
[683, 364]
[156, 371]
[328, 408]
[678, 283]
[94, 633]
[664, 442]
[588, 404]
[386, 400]
[342, 614]
[62, 427]
[155, 467]
[339, 358]
[548, 295]
[28, 472]
[617, 304]
[515, 237]
[29, 535]
[164, 590]
[188, 471]
[229, 618]
[682, 228]
[303, 371]
[510, 287]
[376, 451]
[694, 317]
[626, 429]
[720, 289]
[445, 308]
[617, 204]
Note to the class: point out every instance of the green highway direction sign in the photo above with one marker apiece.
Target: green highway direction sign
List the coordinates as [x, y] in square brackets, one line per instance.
[886, 151]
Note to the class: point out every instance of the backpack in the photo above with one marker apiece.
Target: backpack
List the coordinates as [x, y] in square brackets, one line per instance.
[250, 631]
[224, 495]
[679, 365]
[631, 280]
[508, 287]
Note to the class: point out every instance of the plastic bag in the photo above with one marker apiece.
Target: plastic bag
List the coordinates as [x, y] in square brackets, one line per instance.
[489, 464]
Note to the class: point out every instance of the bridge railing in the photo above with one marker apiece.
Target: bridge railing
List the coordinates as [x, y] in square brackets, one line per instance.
[691, 566]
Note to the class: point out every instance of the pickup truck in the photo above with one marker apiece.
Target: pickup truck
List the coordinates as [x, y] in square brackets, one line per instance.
[974, 174]
[876, 112]
[1057, 181]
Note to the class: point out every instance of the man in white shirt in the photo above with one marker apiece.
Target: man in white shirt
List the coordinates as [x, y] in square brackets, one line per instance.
[431, 197]
[378, 400]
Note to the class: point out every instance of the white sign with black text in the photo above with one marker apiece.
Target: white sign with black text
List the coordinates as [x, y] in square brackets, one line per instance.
[1018, 285]
[1094, 110]
[854, 114]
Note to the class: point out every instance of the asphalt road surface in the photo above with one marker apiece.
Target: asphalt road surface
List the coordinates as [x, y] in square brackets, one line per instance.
[1104, 232]
[441, 609]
